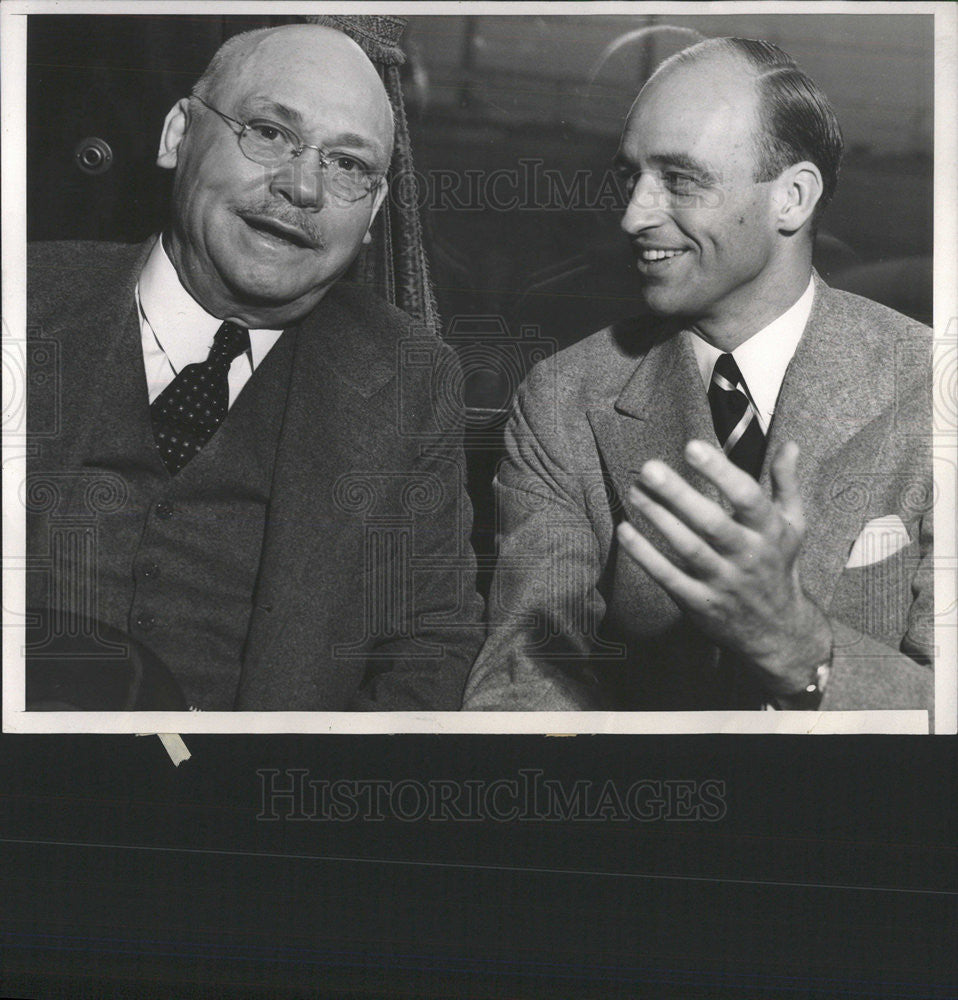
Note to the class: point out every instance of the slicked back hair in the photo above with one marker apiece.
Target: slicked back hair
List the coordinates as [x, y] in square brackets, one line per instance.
[797, 120]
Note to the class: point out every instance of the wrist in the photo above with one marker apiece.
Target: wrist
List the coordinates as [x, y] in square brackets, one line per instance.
[801, 679]
[808, 698]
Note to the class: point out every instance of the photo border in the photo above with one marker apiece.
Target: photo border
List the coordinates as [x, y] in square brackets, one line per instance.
[16, 720]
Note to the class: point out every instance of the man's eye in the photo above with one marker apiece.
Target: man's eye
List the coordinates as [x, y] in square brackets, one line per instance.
[627, 180]
[267, 131]
[679, 183]
[349, 165]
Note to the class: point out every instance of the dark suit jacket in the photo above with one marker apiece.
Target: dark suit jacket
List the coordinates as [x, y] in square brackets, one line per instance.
[577, 624]
[365, 597]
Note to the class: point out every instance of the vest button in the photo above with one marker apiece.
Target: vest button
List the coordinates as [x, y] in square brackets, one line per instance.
[145, 622]
[150, 569]
[164, 510]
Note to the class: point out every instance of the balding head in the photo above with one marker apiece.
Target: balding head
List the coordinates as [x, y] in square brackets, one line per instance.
[265, 50]
[259, 241]
[795, 120]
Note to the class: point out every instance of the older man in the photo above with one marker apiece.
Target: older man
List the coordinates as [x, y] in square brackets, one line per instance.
[726, 505]
[249, 475]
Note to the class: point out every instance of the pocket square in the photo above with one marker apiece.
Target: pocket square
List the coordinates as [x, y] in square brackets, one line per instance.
[880, 539]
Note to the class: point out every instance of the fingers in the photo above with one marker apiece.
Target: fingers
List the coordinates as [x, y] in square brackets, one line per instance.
[704, 516]
[734, 574]
[696, 554]
[784, 469]
[752, 507]
[683, 589]
[699, 530]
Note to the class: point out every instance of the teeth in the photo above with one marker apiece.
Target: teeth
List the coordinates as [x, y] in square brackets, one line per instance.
[650, 255]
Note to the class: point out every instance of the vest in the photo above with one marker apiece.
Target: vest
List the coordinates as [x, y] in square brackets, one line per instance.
[176, 560]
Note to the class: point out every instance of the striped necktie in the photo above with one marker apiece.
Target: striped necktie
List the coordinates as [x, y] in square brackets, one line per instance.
[735, 418]
[740, 434]
[189, 410]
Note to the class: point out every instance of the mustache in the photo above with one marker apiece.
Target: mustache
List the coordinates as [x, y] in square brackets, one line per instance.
[293, 225]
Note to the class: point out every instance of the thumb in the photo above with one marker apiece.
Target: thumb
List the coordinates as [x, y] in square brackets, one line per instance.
[785, 488]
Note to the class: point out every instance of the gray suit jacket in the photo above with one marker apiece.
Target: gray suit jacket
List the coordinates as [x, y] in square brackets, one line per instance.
[576, 624]
[366, 591]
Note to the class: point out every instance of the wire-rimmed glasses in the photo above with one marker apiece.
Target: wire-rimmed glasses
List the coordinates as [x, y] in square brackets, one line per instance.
[273, 145]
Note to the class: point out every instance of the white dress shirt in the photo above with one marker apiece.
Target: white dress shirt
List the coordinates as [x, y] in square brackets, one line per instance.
[763, 358]
[177, 331]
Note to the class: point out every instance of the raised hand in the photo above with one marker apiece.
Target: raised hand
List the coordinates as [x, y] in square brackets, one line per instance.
[735, 576]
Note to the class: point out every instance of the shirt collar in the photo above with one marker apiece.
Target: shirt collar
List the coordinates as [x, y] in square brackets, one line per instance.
[763, 358]
[182, 327]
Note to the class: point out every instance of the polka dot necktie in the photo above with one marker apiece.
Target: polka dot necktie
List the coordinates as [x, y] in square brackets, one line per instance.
[188, 411]
[734, 417]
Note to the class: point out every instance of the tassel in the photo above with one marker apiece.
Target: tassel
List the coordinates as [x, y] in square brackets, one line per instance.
[396, 262]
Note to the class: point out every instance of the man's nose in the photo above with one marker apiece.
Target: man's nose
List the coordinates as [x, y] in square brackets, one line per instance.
[302, 180]
[647, 204]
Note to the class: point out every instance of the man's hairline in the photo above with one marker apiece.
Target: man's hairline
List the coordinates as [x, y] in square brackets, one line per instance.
[759, 130]
[759, 127]
[206, 86]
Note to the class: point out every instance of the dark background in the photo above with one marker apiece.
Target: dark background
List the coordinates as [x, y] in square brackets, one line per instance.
[832, 873]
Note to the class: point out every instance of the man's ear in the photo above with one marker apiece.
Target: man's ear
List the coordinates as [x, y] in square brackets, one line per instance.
[174, 128]
[379, 198]
[798, 190]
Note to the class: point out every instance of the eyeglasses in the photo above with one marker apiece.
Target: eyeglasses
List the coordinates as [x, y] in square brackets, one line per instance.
[273, 145]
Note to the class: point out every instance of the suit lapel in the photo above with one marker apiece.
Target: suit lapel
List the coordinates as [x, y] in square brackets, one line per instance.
[832, 389]
[107, 333]
[661, 407]
[325, 435]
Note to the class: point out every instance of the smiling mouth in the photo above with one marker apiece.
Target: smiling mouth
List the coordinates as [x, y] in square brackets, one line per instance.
[281, 231]
[657, 256]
